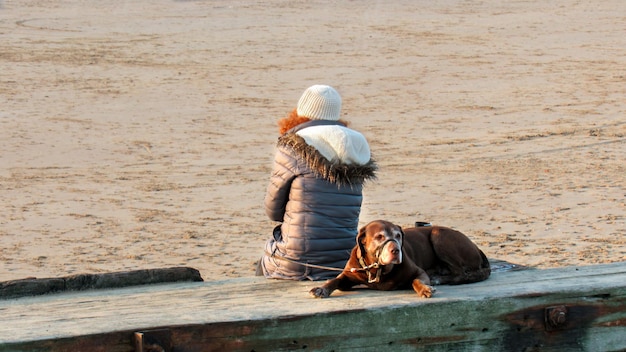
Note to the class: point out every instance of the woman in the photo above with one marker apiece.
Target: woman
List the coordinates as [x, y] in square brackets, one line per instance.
[315, 190]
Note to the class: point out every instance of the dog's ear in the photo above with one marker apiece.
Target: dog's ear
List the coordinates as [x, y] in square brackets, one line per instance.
[360, 242]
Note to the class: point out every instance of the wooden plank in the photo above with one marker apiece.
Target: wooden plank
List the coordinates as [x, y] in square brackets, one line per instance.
[506, 312]
[80, 282]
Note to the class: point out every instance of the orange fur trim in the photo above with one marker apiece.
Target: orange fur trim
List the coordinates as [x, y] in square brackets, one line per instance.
[293, 120]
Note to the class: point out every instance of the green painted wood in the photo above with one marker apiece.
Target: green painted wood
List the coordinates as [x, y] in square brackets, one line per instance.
[506, 313]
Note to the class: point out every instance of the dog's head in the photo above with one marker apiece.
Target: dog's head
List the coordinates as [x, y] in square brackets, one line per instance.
[380, 242]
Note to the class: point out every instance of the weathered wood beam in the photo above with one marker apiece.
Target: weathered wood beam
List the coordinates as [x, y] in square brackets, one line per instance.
[567, 309]
[81, 282]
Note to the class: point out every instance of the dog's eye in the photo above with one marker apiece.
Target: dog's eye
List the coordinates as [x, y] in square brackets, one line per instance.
[379, 237]
[398, 236]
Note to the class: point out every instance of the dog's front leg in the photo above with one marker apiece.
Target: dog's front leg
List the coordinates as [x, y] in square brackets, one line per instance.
[340, 282]
[421, 285]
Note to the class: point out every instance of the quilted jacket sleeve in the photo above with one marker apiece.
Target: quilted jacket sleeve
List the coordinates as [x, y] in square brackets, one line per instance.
[282, 176]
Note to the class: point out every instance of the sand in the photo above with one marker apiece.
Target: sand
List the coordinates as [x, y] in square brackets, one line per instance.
[140, 134]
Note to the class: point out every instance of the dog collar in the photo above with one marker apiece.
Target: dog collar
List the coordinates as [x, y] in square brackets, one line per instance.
[364, 267]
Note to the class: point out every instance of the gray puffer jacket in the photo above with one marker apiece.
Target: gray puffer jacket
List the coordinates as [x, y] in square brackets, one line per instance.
[315, 191]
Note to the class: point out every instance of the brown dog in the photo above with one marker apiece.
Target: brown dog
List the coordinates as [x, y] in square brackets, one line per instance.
[387, 258]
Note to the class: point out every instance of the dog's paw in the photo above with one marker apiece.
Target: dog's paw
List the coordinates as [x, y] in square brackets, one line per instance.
[423, 291]
[319, 292]
[426, 292]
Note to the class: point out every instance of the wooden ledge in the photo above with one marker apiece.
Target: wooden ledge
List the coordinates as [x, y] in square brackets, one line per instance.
[574, 308]
[82, 282]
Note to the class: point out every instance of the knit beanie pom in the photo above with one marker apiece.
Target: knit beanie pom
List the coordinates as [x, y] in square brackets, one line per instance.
[320, 102]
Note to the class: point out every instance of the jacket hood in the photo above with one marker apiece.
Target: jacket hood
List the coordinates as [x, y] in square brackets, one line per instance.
[336, 170]
[338, 143]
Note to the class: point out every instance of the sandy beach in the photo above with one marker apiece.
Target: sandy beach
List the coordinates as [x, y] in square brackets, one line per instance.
[140, 134]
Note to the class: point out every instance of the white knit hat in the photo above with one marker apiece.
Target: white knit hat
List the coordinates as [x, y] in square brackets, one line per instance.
[320, 102]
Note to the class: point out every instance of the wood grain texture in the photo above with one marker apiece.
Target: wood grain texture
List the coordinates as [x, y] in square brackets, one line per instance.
[81, 282]
[506, 312]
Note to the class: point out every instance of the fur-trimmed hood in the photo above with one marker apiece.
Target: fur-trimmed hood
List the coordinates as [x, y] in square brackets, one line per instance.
[336, 170]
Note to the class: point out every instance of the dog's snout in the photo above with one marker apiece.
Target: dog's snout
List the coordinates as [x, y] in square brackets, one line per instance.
[391, 253]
